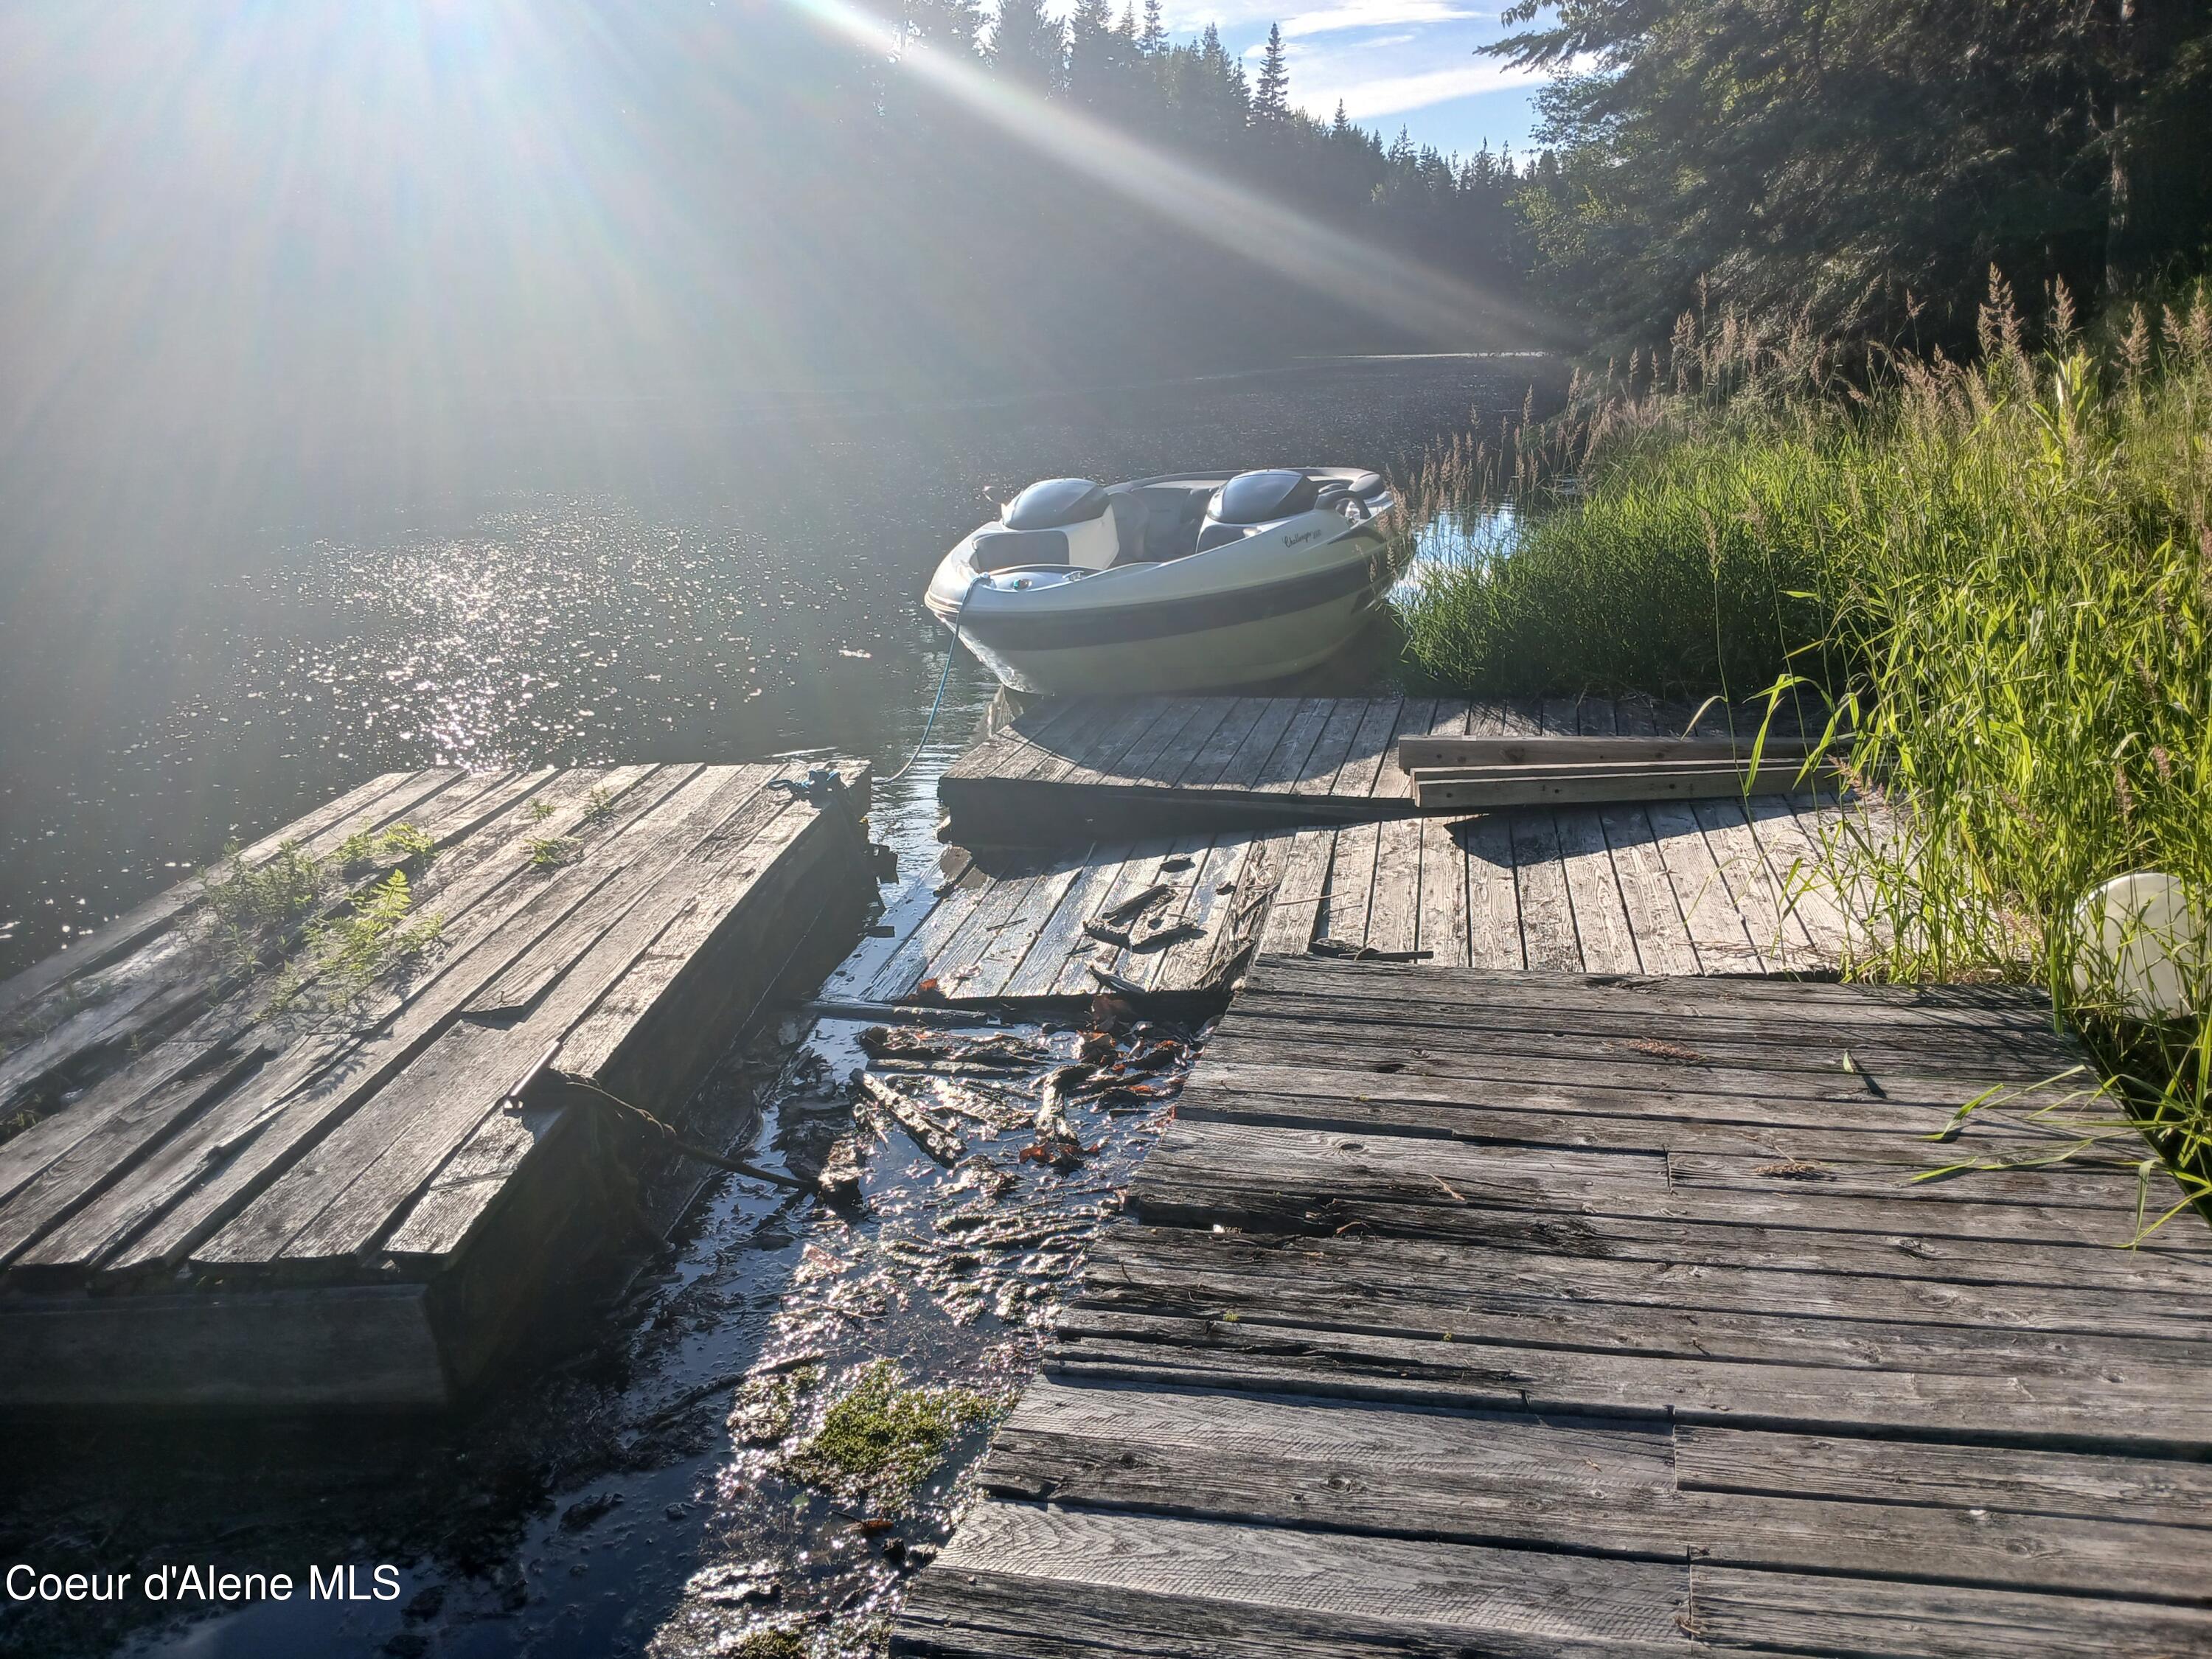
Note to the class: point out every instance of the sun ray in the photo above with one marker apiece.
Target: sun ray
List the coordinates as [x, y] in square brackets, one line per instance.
[1353, 270]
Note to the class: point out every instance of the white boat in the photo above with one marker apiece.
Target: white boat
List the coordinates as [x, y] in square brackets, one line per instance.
[1189, 582]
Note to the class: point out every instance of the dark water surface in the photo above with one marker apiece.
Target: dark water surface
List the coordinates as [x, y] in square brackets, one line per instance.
[707, 587]
[606, 1499]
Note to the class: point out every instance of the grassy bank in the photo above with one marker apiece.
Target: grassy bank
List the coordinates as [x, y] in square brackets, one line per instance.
[2001, 571]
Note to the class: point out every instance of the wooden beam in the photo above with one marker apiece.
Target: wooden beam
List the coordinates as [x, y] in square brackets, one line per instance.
[351, 1346]
[1419, 753]
[1481, 789]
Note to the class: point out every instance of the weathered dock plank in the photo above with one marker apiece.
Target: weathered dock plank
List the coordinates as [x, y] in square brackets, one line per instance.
[600, 931]
[370, 805]
[1501, 1480]
[1015, 928]
[1300, 809]
[1082, 769]
[1520, 1313]
[132, 980]
[1566, 891]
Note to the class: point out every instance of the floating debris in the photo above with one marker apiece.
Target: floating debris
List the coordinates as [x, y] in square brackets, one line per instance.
[1056, 1144]
[767, 1406]
[996, 1110]
[735, 1584]
[937, 1048]
[925, 1305]
[581, 1513]
[839, 1183]
[933, 1136]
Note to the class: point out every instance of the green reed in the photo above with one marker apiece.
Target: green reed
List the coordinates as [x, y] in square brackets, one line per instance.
[2000, 572]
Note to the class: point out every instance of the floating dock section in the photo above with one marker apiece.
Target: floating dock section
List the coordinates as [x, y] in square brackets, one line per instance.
[1286, 824]
[256, 1183]
[1524, 1314]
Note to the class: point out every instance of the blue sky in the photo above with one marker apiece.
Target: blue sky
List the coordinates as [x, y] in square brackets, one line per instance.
[1395, 62]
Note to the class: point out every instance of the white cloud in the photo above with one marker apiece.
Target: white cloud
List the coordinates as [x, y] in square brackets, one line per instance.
[1185, 18]
[1385, 58]
[1302, 55]
[1375, 15]
[1390, 95]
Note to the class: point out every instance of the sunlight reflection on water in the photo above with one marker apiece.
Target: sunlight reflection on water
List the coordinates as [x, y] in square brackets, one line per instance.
[1457, 540]
[705, 611]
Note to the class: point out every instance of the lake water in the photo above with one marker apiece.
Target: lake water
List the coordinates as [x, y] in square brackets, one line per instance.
[600, 1501]
[708, 586]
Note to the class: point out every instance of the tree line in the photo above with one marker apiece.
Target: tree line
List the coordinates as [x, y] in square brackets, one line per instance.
[973, 212]
[674, 201]
[1193, 100]
[1856, 166]
[1860, 165]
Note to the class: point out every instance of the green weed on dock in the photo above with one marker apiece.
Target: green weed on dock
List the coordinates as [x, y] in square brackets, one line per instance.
[330, 932]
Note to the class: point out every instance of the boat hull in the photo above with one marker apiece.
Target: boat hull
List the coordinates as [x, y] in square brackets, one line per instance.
[1271, 603]
[1216, 658]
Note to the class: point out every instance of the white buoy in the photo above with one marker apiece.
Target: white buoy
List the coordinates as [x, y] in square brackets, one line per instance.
[2144, 946]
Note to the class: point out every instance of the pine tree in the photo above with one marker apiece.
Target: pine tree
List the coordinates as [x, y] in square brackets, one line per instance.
[1825, 160]
[1154, 40]
[950, 23]
[1342, 126]
[1093, 64]
[1271, 101]
[1028, 46]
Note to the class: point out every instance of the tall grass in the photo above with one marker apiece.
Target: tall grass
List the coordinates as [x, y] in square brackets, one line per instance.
[2000, 572]
[1689, 566]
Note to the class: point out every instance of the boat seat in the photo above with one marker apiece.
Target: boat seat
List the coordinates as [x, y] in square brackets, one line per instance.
[1067, 521]
[1010, 550]
[1132, 529]
[1263, 497]
[1094, 543]
[1161, 523]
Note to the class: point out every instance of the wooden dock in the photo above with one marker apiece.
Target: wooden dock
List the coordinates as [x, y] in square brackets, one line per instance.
[1728, 886]
[1009, 926]
[1286, 825]
[1685, 887]
[1524, 1314]
[237, 1192]
[1102, 769]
